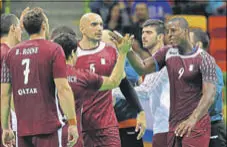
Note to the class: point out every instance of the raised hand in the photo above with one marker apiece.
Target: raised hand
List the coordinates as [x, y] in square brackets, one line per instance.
[22, 16]
[123, 44]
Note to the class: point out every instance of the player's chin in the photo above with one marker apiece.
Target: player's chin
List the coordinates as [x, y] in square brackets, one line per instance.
[145, 45]
[98, 38]
[173, 43]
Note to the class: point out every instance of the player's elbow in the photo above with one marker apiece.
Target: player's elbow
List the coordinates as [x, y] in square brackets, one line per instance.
[115, 83]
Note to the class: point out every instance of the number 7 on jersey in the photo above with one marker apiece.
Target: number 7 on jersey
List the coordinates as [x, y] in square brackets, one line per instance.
[26, 62]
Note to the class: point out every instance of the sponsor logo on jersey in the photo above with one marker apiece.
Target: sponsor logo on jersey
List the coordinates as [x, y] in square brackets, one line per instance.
[103, 61]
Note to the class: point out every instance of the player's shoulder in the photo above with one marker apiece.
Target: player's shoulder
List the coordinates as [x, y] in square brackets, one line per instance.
[204, 55]
[168, 48]
[109, 46]
[102, 47]
[50, 44]
[38, 42]
[4, 47]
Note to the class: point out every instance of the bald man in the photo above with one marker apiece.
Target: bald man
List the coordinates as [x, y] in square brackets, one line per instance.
[100, 126]
[192, 79]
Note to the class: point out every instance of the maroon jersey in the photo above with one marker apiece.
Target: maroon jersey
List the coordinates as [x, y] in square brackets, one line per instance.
[83, 83]
[98, 110]
[31, 67]
[4, 51]
[186, 75]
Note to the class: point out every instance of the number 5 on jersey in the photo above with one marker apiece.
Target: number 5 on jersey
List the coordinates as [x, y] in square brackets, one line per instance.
[92, 67]
[26, 62]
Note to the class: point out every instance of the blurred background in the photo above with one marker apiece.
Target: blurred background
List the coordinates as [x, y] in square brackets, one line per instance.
[127, 16]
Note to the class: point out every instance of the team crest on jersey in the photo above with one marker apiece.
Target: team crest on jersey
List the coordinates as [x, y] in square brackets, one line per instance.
[191, 67]
[103, 61]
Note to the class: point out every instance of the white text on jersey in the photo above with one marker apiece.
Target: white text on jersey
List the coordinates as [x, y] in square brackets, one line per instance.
[27, 51]
[27, 91]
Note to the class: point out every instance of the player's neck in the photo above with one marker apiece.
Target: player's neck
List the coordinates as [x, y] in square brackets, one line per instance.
[156, 48]
[88, 44]
[185, 48]
[70, 62]
[37, 36]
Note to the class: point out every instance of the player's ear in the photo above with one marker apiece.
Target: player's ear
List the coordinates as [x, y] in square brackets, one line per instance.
[12, 28]
[44, 26]
[186, 30]
[160, 37]
[82, 29]
[199, 44]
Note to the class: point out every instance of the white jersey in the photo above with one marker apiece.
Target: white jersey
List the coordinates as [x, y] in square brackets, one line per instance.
[155, 88]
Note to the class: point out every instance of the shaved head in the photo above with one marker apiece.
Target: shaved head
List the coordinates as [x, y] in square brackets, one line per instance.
[91, 27]
[88, 17]
[182, 22]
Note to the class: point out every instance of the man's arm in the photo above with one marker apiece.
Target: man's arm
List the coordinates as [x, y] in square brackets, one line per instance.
[132, 98]
[130, 94]
[118, 72]
[65, 93]
[206, 101]
[116, 75]
[142, 67]
[66, 98]
[5, 104]
[209, 78]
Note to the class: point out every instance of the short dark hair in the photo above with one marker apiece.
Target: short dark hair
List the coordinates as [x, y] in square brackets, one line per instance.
[33, 20]
[158, 24]
[68, 42]
[62, 29]
[6, 21]
[200, 35]
[183, 22]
